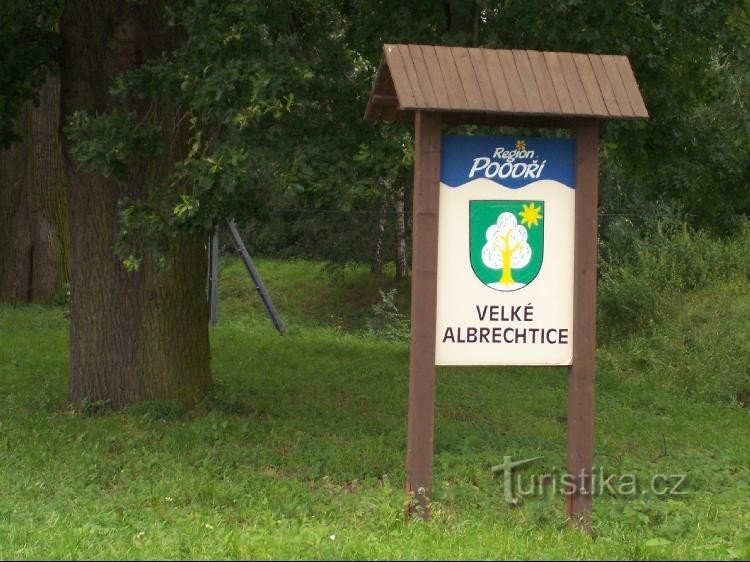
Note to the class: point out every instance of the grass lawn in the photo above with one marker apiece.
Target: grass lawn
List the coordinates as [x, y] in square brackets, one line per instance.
[299, 453]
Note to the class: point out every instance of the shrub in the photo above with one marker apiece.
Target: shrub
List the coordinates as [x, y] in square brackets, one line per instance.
[386, 320]
[638, 282]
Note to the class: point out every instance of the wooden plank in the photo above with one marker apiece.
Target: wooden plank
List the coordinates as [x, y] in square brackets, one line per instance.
[468, 78]
[390, 112]
[483, 79]
[456, 95]
[533, 98]
[498, 80]
[631, 86]
[590, 85]
[388, 101]
[623, 102]
[581, 374]
[605, 87]
[544, 82]
[513, 79]
[508, 120]
[374, 112]
[401, 82]
[425, 81]
[503, 81]
[411, 74]
[573, 82]
[436, 76]
[421, 416]
[558, 82]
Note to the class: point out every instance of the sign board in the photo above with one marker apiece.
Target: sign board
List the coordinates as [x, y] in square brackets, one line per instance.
[505, 251]
[504, 228]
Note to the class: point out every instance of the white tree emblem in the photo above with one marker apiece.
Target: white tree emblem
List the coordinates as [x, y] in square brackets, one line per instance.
[506, 248]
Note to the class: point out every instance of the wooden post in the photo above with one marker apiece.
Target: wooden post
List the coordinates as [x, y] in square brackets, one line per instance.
[581, 396]
[423, 311]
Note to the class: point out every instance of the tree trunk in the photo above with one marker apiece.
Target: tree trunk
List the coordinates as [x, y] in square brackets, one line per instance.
[376, 262]
[33, 206]
[402, 262]
[140, 335]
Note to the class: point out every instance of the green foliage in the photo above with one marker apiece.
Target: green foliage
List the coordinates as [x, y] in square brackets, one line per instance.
[89, 409]
[640, 273]
[692, 62]
[690, 157]
[110, 143]
[698, 349]
[309, 293]
[386, 321]
[30, 42]
[675, 301]
[268, 103]
[63, 299]
[299, 452]
[204, 112]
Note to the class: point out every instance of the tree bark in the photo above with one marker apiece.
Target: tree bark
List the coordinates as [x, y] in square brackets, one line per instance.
[34, 264]
[402, 262]
[140, 335]
[376, 262]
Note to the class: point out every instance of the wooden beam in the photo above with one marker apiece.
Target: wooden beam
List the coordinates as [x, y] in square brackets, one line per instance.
[581, 394]
[421, 421]
[508, 120]
[389, 101]
[383, 86]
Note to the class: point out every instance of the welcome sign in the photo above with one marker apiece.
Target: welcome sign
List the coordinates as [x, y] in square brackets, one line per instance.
[505, 251]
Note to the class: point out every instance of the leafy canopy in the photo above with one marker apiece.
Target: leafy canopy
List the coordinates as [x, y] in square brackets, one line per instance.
[268, 100]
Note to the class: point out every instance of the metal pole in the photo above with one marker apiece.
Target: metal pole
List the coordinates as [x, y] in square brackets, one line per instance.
[255, 276]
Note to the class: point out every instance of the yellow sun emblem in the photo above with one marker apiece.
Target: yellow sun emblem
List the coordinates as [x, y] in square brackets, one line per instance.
[520, 145]
[530, 214]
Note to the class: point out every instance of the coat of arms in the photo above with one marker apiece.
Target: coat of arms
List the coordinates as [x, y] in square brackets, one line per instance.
[506, 242]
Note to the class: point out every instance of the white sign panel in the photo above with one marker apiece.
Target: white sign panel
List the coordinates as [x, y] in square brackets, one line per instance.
[505, 251]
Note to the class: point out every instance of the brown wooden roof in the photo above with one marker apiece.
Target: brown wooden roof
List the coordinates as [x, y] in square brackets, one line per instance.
[503, 82]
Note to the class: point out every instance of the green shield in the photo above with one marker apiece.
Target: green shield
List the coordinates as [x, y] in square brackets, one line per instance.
[506, 242]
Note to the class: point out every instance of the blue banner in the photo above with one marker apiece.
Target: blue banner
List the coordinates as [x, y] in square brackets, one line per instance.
[509, 161]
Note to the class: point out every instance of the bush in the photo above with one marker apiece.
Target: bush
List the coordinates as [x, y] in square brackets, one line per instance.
[673, 306]
[386, 320]
[638, 282]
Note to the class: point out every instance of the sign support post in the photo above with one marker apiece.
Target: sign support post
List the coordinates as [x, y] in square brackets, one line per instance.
[581, 390]
[425, 208]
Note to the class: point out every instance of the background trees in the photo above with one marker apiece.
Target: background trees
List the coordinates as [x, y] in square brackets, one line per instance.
[179, 115]
[34, 258]
[688, 162]
[317, 171]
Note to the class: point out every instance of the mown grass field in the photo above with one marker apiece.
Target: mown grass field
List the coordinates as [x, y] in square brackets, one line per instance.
[299, 452]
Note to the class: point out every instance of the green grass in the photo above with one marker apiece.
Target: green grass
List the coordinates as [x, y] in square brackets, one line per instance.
[299, 452]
